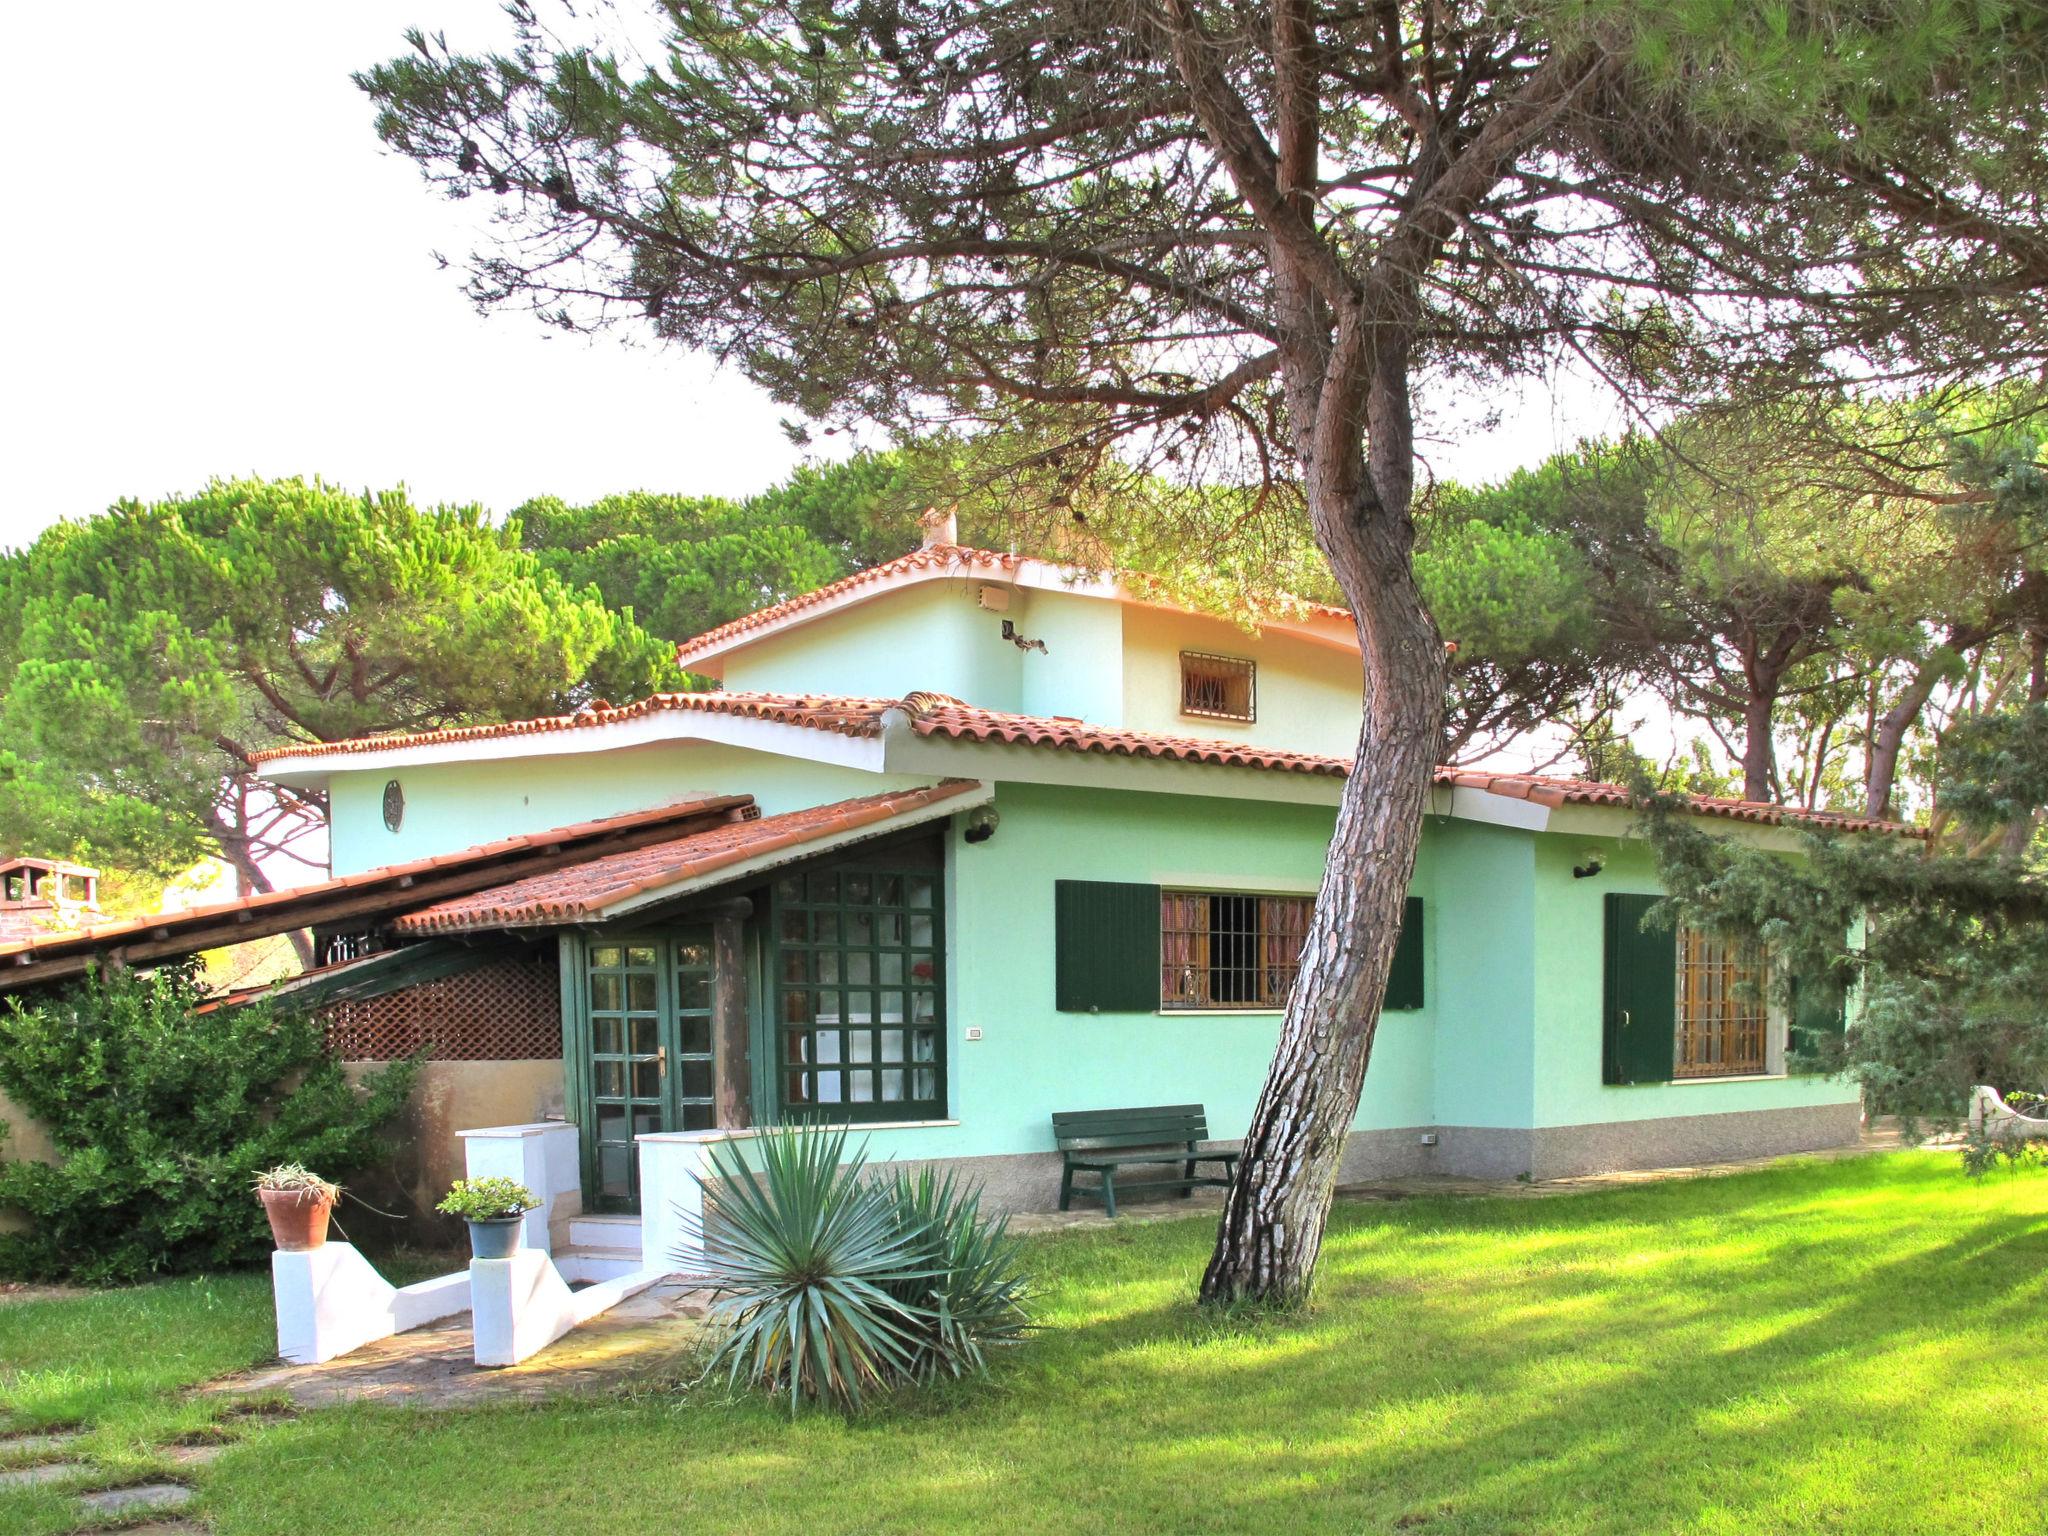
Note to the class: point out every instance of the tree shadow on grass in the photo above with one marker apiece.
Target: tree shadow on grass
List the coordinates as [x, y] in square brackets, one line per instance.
[1792, 1352]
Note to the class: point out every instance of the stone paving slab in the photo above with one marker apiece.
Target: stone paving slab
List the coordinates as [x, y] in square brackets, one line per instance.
[433, 1367]
[143, 1498]
[36, 1445]
[43, 1472]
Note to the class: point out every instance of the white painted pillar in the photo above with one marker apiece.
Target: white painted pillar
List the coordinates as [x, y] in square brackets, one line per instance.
[331, 1300]
[542, 1156]
[672, 1199]
[518, 1307]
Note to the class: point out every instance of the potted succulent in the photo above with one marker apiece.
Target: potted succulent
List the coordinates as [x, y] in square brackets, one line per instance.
[298, 1202]
[496, 1212]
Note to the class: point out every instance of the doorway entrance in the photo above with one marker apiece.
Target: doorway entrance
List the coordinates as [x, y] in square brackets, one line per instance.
[645, 1054]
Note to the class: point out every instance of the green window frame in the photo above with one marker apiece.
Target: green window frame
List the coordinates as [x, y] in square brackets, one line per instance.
[858, 1016]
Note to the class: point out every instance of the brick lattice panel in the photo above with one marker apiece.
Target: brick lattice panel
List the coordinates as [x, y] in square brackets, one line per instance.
[507, 1009]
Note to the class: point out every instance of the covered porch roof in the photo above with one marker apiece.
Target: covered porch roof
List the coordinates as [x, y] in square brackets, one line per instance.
[621, 883]
[371, 894]
[589, 872]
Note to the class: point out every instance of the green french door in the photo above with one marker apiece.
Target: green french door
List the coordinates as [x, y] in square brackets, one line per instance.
[643, 1044]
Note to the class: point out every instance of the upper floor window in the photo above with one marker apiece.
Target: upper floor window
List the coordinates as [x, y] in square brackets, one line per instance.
[1217, 687]
[1724, 1013]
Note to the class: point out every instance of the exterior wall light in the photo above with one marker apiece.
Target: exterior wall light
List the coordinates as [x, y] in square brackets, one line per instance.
[981, 825]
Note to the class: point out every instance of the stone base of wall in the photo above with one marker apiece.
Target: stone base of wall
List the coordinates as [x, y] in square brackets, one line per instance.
[1031, 1181]
[1569, 1151]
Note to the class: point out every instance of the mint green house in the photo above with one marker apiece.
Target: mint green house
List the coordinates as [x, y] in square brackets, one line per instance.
[970, 839]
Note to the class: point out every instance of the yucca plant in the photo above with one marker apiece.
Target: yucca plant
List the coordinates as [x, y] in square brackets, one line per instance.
[804, 1254]
[831, 1283]
[969, 1288]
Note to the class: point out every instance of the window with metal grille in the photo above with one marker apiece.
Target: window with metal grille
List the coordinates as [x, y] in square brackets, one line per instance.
[860, 1032]
[1228, 950]
[1724, 1014]
[1217, 687]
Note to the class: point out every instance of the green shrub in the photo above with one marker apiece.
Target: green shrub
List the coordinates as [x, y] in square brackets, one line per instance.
[162, 1117]
[833, 1283]
[487, 1200]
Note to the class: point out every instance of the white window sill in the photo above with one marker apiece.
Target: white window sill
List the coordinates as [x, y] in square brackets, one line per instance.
[1218, 1013]
[858, 1127]
[1746, 1077]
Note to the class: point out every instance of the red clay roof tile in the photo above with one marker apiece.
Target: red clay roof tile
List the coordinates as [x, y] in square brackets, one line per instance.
[399, 876]
[848, 717]
[585, 892]
[936, 715]
[960, 558]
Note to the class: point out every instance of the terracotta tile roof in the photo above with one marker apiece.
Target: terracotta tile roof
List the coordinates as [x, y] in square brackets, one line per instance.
[848, 717]
[1543, 789]
[587, 891]
[277, 911]
[956, 560]
[933, 714]
[936, 715]
[948, 558]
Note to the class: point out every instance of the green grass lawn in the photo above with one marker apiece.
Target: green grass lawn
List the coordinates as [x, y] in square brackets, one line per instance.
[1821, 1347]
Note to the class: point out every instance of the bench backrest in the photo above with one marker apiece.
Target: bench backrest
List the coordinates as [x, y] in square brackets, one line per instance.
[1104, 1129]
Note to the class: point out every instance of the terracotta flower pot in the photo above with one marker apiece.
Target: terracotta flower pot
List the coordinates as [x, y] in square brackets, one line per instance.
[298, 1217]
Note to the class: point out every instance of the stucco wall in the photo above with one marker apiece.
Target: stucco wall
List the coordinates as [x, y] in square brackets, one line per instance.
[1482, 900]
[1570, 949]
[426, 1157]
[1307, 696]
[1033, 1059]
[24, 1140]
[932, 636]
[461, 804]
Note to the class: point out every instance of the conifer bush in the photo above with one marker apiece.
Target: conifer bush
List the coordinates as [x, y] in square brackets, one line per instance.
[162, 1117]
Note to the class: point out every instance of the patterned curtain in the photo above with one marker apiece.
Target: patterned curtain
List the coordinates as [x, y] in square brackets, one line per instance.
[1283, 927]
[1183, 949]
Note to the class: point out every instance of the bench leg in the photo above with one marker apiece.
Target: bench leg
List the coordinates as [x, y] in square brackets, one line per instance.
[1188, 1172]
[1109, 1194]
[1066, 1188]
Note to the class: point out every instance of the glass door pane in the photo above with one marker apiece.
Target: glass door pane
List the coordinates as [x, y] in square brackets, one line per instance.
[694, 1081]
[628, 1064]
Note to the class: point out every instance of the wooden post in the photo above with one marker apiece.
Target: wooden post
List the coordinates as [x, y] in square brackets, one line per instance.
[730, 1030]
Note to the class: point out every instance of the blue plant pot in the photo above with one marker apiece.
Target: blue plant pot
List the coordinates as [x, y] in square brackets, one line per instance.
[497, 1238]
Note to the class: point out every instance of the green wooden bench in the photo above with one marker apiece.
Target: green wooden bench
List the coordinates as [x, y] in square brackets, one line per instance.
[1101, 1141]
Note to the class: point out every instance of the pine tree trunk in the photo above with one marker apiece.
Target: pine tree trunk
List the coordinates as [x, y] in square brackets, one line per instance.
[1273, 1217]
[1759, 749]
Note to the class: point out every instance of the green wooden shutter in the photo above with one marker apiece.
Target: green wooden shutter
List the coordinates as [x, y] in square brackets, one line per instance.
[1404, 981]
[1106, 947]
[1820, 1017]
[1641, 1006]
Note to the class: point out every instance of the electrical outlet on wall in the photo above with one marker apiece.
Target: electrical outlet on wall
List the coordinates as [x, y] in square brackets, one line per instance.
[974, 1031]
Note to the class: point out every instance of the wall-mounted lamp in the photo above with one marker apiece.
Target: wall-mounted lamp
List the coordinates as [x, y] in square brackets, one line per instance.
[981, 825]
[1595, 862]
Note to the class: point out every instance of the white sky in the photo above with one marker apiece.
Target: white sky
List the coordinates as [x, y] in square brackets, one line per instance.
[216, 270]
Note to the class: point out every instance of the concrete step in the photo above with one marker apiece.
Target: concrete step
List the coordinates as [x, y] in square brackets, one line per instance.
[584, 1263]
[604, 1232]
